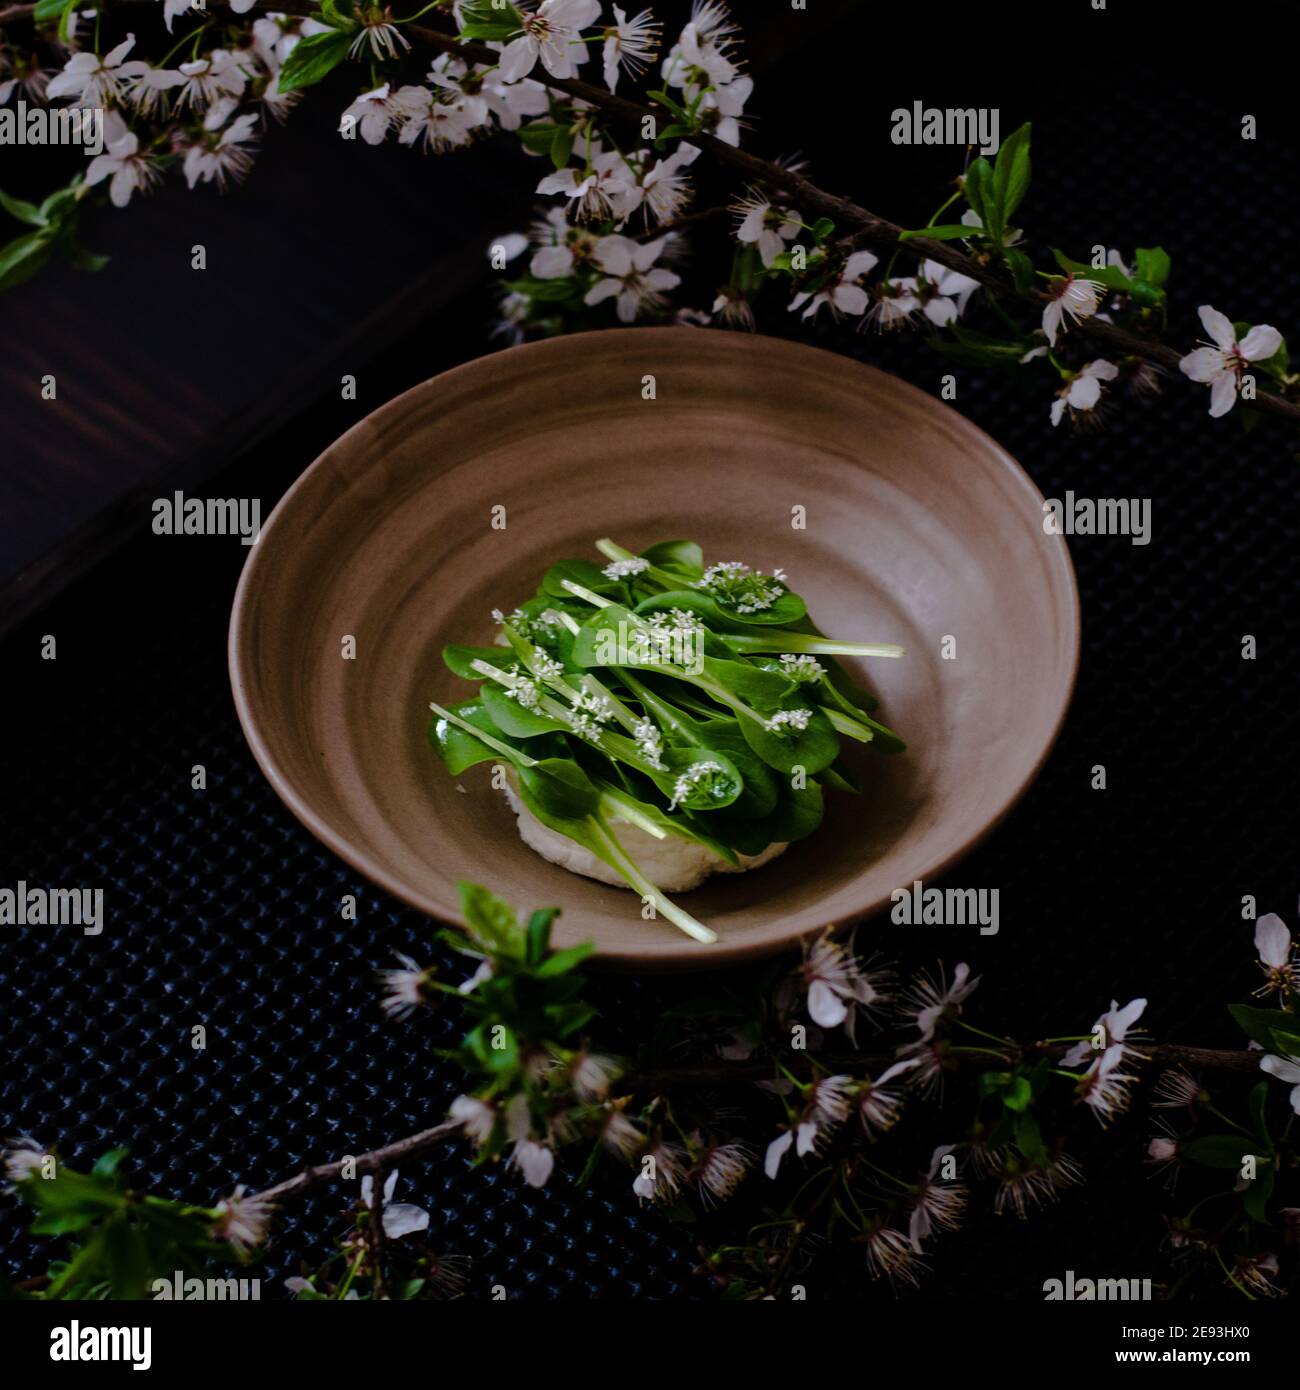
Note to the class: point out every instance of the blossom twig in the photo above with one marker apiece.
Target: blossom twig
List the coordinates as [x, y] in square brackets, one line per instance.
[413, 1146]
[712, 1074]
[868, 228]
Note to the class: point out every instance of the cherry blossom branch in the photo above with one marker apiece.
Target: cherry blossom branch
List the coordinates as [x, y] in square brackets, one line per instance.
[869, 229]
[716, 1073]
[713, 1074]
[385, 1158]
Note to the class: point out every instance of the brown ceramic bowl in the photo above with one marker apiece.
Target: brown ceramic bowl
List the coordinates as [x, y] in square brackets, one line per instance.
[919, 527]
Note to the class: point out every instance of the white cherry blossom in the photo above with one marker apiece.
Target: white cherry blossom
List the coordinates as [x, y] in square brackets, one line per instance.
[94, 81]
[208, 80]
[1072, 300]
[550, 33]
[846, 295]
[1286, 1069]
[1222, 365]
[765, 226]
[705, 45]
[399, 1218]
[1083, 390]
[223, 158]
[630, 44]
[127, 169]
[630, 276]
[1277, 956]
[372, 114]
[440, 125]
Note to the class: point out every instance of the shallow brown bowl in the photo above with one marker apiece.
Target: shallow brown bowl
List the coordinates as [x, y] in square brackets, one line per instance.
[918, 528]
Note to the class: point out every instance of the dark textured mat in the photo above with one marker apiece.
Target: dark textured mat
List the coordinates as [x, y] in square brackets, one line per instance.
[224, 911]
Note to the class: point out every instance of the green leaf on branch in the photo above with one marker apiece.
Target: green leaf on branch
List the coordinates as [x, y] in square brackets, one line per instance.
[312, 59]
[65, 20]
[1255, 1198]
[24, 257]
[545, 291]
[947, 231]
[1258, 1116]
[561, 962]
[1017, 1094]
[1264, 1026]
[978, 185]
[1111, 276]
[1011, 176]
[491, 920]
[538, 137]
[22, 210]
[338, 14]
[1020, 266]
[975, 349]
[675, 131]
[1029, 1140]
[539, 933]
[1218, 1150]
[480, 19]
[561, 146]
[1151, 263]
[665, 99]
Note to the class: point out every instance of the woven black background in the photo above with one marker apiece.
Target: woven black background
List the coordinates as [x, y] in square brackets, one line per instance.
[223, 911]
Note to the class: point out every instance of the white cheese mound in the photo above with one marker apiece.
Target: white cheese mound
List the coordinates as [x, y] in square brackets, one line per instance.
[672, 864]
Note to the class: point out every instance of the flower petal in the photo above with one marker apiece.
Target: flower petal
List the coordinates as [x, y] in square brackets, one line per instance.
[776, 1152]
[1272, 939]
[1223, 394]
[403, 1219]
[825, 1007]
[1218, 326]
[1205, 364]
[1260, 343]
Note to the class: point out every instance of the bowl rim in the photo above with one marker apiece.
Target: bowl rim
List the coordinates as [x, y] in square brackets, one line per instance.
[688, 956]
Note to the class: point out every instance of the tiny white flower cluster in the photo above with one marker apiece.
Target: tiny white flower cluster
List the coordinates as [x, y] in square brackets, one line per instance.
[649, 742]
[677, 623]
[546, 666]
[587, 712]
[625, 569]
[737, 586]
[598, 706]
[675, 637]
[707, 772]
[527, 626]
[786, 720]
[526, 691]
[804, 669]
[583, 724]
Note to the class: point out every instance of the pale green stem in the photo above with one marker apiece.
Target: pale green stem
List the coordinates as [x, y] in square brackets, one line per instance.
[847, 725]
[512, 754]
[798, 643]
[640, 884]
